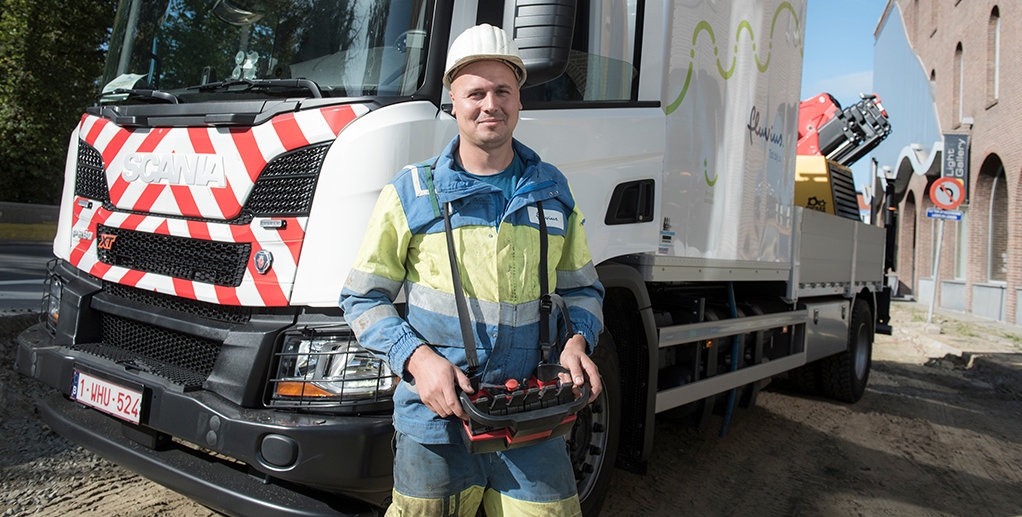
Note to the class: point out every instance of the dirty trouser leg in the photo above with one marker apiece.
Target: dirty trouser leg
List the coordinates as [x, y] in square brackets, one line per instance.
[447, 480]
[534, 481]
[435, 480]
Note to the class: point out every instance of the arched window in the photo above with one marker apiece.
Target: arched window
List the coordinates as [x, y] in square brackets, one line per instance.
[906, 249]
[998, 238]
[991, 221]
[993, 55]
[959, 86]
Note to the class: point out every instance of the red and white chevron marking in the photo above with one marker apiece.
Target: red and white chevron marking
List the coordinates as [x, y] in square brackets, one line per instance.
[245, 152]
[271, 289]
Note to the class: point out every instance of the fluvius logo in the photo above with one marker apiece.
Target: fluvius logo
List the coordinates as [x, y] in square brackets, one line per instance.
[760, 130]
[204, 170]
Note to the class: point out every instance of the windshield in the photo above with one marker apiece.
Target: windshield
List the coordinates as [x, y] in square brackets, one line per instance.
[347, 47]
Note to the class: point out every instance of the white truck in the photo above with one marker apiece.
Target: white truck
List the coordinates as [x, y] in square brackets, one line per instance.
[216, 195]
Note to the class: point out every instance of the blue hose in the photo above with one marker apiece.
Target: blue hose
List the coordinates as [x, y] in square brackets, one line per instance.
[734, 362]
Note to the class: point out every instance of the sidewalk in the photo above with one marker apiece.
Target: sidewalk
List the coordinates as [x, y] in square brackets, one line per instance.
[954, 340]
[961, 331]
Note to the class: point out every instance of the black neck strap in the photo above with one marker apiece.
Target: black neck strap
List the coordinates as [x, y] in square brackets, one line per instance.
[459, 298]
[547, 300]
[545, 307]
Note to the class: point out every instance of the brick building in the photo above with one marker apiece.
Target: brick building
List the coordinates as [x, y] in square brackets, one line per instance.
[943, 67]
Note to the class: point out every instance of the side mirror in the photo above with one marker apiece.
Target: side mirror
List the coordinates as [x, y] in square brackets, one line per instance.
[238, 15]
[543, 29]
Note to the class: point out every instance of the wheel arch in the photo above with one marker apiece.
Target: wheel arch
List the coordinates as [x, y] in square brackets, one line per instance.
[628, 316]
[870, 298]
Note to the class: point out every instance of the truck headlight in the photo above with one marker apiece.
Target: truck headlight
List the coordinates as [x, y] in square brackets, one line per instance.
[328, 369]
[51, 301]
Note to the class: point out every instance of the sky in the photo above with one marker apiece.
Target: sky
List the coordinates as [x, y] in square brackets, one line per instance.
[838, 56]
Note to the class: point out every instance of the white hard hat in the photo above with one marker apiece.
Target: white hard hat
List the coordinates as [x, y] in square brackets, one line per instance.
[480, 43]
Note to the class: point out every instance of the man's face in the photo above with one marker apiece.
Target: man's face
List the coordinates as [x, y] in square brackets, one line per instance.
[486, 103]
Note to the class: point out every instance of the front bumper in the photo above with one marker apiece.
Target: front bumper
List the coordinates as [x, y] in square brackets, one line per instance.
[287, 463]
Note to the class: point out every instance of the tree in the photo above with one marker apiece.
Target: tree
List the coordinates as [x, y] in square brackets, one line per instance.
[51, 54]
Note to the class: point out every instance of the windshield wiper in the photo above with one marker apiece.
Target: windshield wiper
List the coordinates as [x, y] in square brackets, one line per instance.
[226, 84]
[145, 94]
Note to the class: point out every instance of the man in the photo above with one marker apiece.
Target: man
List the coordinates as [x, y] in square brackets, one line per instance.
[492, 184]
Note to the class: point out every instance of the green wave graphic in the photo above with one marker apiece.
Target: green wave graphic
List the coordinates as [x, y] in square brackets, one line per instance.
[704, 26]
[706, 175]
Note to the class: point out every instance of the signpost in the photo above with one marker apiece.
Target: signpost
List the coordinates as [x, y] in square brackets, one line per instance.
[954, 162]
[947, 193]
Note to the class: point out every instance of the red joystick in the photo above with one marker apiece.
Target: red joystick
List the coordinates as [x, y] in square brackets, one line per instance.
[511, 384]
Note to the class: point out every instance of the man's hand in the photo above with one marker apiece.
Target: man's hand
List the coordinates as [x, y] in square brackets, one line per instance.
[575, 360]
[435, 378]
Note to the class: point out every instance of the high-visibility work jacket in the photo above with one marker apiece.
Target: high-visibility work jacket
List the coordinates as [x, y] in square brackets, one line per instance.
[497, 247]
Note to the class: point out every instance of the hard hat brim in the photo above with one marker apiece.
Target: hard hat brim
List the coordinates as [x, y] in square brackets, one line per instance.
[513, 62]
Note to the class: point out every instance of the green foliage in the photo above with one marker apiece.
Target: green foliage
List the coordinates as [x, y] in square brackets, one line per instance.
[51, 54]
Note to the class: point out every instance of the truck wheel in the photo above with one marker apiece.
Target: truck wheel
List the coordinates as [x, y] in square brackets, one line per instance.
[592, 442]
[806, 379]
[844, 375]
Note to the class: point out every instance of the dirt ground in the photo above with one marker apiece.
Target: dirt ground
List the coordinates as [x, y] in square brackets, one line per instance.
[938, 432]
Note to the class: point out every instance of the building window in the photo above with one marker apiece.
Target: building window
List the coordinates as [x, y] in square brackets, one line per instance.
[958, 86]
[998, 238]
[906, 248]
[994, 55]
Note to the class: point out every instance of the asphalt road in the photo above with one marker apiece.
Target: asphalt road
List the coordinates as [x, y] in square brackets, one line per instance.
[22, 269]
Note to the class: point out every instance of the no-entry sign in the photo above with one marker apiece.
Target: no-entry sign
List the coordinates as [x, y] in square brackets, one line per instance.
[947, 193]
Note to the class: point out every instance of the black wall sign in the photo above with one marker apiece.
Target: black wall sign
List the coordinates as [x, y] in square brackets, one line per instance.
[955, 160]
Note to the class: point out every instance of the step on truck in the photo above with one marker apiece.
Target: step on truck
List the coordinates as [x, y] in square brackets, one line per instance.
[217, 192]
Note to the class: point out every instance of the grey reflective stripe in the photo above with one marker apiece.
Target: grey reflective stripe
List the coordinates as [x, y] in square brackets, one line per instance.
[361, 282]
[582, 277]
[588, 303]
[371, 317]
[419, 191]
[480, 311]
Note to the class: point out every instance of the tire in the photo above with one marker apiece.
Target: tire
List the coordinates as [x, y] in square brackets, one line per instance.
[593, 441]
[844, 376]
[806, 379]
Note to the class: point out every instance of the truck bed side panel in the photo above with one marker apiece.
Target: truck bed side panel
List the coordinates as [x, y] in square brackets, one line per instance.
[837, 255]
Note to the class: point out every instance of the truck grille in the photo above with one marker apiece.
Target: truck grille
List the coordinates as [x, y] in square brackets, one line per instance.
[180, 358]
[213, 311]
[212, 262]
[286, 185]
[90, 178]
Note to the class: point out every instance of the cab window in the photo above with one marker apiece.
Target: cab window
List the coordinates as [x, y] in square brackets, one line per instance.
[603, 61]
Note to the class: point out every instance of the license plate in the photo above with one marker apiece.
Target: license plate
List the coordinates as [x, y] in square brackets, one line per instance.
[107, 397]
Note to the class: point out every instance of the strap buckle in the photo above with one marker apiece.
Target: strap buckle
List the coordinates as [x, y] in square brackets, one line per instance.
[546, 304]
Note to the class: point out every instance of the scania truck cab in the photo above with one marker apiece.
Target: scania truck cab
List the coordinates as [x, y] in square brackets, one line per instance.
[216, 194]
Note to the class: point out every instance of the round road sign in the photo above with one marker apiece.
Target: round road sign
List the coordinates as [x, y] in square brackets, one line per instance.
[947, 193]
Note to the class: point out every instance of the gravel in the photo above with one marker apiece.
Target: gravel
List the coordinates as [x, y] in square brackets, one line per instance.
[41, 473]
[937, 434]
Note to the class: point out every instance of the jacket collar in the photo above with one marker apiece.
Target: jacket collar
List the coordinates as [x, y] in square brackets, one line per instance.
[540, 181]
